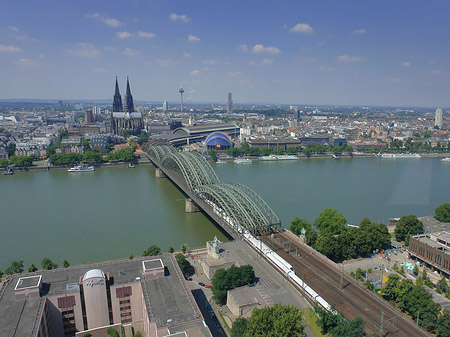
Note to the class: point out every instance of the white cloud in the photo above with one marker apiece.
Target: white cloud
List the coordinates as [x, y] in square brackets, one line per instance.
[436, 72]
[26, 63]
[323, 68]
[110, 48]
[259, 48]
[433, 62]
[186, 55]
[263, 62]
[181, 17]
[123, 35]
[406, 64]
[9, 49]
[131, 52]
[244, 82]
[84, 49]
[210, 62]
[147, 35]
[195, 72]
[359, 31]
[101, 70]
[106, 20]
[234, 73]
[13, 28]
[302, 28]
[350, 59]
[243, 48]
[193, 38]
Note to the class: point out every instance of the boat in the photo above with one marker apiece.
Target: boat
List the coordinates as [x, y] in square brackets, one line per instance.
[220, 161]
[242, 161]
[335, 156]
[81, 168]
[446, 160]
[8, 171]
[130, 165]
[400, 155]
[274, 157]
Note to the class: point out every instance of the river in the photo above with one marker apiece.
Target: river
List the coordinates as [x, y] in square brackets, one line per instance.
[115, 212]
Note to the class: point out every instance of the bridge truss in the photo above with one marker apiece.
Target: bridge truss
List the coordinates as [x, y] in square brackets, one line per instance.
[237, 204]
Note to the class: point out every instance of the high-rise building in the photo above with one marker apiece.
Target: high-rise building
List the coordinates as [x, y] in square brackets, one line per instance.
[181, 91]
[88, 116]
[165, 106]
[297, 115]
[438, 118]
[230, 104]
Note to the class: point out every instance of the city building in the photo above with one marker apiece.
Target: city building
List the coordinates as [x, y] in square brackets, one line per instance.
[147, 295]
[433, 249]
[125, 118]
[88, 116]
[165, 106]
[230, 104]
[438, 118]
[218, 141]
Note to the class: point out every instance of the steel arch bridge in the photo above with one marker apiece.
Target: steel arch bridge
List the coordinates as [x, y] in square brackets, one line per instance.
[241, 205]
[193, 166]
[236, 204]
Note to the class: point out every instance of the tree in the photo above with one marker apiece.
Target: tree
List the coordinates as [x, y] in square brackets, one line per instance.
[416, 270]
[443, 324]
[224, 280]
[408, 225]
[328, 245]
[21, 160]
[171, 250]
[3, 162]
[152, 251]
[184, 264]
[239, 327]
[32, 268]
[442, 212]
[184, 248]
[92, 157]
[277, 321]
[442, 285]
[112, 332]
[86, 334]
[48, 264]
[127, 134]
[298, 224]
[143, 136]
[11, 149]
[66, 264]
[212, 153]
[85, 143]
[330, 221]
[391, 287]
[16, 267]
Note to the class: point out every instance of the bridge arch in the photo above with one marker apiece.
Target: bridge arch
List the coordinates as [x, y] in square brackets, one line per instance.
[241, 205]
[193, 166]
[159, 151]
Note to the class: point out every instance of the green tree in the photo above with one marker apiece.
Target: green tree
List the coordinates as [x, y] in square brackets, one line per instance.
[86, 334]
[16, 267]
[112, 332]
[127, 134]
[298, 224]
[11, 149]
[212, 153]
[3, 162]
[21, 160]
[442, 285]
[329, 246]
[184, 264]
[239, 327]
[330, 221]
[416, 270]
[391, 287]
[443, 324]
[277, 321]
[66, 264]
[32, 268]
[152, 251]
[224, 280]
[171, 250]
[85, 143]
[184, 248]
[408, 225]
[143, 136]
[92, 157]
[48, 264]
[442, 212]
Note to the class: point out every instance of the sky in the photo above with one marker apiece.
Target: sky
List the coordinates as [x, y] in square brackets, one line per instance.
[347, 52]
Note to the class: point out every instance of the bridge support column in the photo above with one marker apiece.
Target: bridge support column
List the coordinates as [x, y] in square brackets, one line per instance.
[191, 206]
[159, 173]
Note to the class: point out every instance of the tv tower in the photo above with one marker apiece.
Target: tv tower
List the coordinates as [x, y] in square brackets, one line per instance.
[181, 91]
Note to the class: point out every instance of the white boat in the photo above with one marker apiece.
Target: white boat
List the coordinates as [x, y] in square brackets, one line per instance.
[400, 155]
[81, 168]
[242, 161]
[220, 161]
[274, 157]
[446, 160]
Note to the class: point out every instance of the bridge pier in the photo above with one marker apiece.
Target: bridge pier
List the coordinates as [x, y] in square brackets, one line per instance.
[159, 173]
[191, 206]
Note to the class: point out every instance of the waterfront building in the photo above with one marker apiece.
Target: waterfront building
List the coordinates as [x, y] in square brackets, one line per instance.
[433, 249]
[218, 141]
[147, 295]
[438, 118]
[230, 104]
[125, 118]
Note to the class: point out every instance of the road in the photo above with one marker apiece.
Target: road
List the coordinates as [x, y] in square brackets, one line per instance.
[354, 300]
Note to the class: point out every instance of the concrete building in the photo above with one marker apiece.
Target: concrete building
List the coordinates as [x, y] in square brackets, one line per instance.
[241, 301]
[433, 249]
[147, 294]
[438, 118]
[88, 117]
[230, 103]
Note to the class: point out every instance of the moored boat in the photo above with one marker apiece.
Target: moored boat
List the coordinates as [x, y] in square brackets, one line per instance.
[242, 161]
[81, 168]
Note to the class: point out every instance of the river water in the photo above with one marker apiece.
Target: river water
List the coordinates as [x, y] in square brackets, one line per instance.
[114, 212]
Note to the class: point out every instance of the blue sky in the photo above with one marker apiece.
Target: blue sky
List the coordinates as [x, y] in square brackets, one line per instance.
[294, 52]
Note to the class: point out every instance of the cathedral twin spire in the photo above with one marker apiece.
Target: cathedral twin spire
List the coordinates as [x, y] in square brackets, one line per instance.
[117, 104]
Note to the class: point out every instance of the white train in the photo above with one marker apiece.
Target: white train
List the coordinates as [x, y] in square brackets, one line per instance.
[277, 260]
[286, 268]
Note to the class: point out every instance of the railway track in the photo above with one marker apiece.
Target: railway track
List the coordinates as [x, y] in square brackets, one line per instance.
[354, 300]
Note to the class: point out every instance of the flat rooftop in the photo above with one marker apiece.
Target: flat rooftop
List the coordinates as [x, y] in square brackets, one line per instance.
[431, 225]
[168, 299]
[28, 282]
[152, 264]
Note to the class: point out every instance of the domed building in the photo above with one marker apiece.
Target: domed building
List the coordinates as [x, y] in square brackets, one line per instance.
[218, 141]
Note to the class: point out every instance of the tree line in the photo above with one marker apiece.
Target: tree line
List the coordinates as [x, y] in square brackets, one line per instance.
[92, 156]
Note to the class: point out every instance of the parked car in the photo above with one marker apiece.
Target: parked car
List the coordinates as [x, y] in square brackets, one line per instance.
[201, 284]
[208, 286]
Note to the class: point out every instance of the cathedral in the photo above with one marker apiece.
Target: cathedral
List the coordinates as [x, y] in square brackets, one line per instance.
[124, 117]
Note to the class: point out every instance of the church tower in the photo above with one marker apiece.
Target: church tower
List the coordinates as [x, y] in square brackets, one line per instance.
[129, 105]
[117, 103]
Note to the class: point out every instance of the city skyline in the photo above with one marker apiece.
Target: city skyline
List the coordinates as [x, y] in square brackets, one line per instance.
[354, 54]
